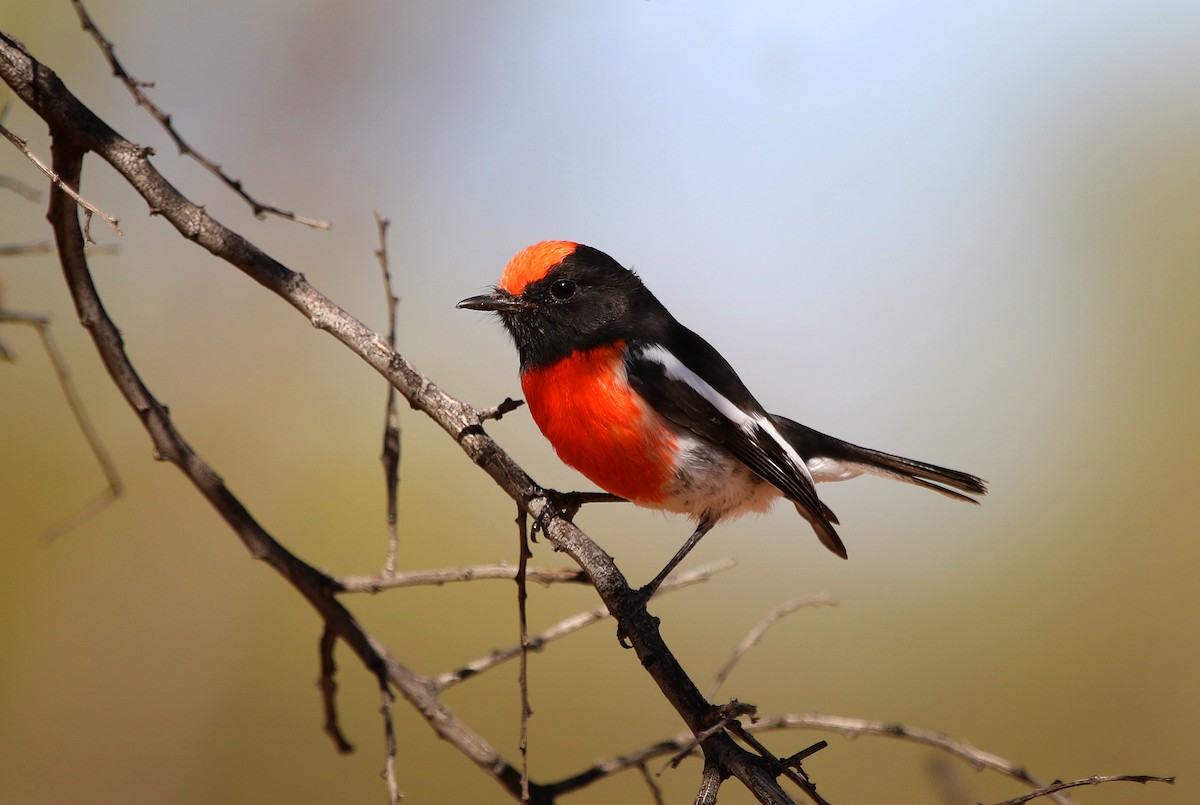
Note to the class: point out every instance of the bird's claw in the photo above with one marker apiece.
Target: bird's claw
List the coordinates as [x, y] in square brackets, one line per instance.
[566, 505]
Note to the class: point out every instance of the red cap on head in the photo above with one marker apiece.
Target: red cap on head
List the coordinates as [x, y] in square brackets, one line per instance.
[534, 262]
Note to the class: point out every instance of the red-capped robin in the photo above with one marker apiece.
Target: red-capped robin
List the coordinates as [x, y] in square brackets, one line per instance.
[650, 412]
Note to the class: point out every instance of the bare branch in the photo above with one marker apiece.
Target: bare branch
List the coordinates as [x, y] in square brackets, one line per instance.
[573, 624]
[650, 782]
[135, 87]
[23, 147]
[114, 488]
[854, 727]
[729, 713]
[450, 575]
[949, 780]
[755, 634]
[390, 457]
[23, 190]
[328, 685]
[789, 767]
[498, 411]
[1054, 788]
[524, 555]
[710, 784]
[46, 247]
[389, 741]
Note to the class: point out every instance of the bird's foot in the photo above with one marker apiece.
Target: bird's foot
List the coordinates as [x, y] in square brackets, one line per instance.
[567, 504]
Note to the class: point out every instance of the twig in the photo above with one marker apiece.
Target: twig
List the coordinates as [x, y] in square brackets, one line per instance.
[27, 192]
[389, 741]
[450, 575]
[949, 781]
[524, 554]
[755, 634]
[46, 247]
[391, 428]
[115, 487]
[573, 624]
[23, 147]
[328, 685]
[1055, 787]
[854, 727]
[498, 411]
[783, 766]
[652, 784]
[135, 88]
[729, 713]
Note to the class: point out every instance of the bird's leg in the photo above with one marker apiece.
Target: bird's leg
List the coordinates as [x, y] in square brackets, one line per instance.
[703, 528]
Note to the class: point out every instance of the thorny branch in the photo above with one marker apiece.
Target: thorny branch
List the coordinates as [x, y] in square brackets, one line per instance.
[135, 87]
[76, 130]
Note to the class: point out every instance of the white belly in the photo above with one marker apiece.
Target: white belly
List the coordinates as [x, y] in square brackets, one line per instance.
[710, 482]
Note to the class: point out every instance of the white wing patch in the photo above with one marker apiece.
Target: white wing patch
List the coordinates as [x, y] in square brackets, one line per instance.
[753, 424]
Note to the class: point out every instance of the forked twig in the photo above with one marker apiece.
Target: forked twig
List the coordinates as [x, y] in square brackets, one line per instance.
[573, 624]
[854, 727]
[88, 206]
[135, 88]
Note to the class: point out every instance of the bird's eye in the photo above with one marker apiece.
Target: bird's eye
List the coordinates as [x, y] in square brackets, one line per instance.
[562, 289]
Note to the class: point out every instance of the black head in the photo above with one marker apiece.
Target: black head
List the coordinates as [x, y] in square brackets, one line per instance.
[555, 298]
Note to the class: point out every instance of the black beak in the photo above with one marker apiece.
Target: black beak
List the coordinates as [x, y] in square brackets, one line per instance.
[496, 300]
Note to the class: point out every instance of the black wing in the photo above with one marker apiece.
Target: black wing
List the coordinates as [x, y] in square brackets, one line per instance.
[693, 387]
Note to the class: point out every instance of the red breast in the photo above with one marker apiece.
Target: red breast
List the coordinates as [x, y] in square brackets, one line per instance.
[584, 406]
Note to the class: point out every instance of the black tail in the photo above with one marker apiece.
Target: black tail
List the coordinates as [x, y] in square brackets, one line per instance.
[811, 444]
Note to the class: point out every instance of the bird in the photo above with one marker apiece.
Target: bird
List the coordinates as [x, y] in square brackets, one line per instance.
[650, 412]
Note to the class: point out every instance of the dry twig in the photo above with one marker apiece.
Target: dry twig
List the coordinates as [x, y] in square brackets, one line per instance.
[450, 575]
[23, 190]
[328, 685]
[524, 555]
[114, 487]
[755, 634]
[573, 624]
[46, 247]
[23, 147]
[1099, 779]
[135, 87]
[390, 457]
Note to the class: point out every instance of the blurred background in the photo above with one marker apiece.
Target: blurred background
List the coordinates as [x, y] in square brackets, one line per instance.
[969, 234]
